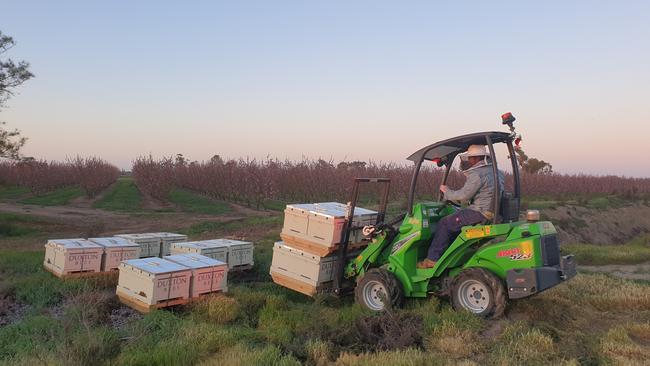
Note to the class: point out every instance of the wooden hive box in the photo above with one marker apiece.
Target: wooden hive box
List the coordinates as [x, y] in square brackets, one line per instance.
[301, 271]
[214, 250]
[115, 251]
[166, 241]
[153, 281]
[318, 227]
[240, 253]
[149, 243]
[68, 256]
[208, 275]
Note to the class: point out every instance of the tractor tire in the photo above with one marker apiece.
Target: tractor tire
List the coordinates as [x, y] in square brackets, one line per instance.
[379, 290]
[480, 292]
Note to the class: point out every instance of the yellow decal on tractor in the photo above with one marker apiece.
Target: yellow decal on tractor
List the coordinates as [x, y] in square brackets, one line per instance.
[473, 233]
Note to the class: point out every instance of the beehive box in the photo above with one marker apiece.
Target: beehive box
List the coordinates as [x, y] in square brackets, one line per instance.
[153, 282]
[116, 250]
[149, 243]
[166, 241]
[301, 271]
[240, 253]
[214, 250]
[208, 275]
[322, 224]
[69, 256]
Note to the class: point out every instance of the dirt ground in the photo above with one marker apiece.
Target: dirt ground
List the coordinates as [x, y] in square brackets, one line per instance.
[609, 226]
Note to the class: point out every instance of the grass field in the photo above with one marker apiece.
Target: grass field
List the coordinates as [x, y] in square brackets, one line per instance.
[12, 192]
[636, 251]
[123, 196]
[593, 319]
[196, 203]
[59, 197]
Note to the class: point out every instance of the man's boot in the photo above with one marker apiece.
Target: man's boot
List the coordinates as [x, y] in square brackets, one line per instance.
[426, 263]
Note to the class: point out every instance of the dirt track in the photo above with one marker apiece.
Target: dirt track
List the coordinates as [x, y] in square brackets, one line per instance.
[639, 271]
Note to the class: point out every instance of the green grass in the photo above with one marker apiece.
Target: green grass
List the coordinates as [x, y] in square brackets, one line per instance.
[216, 227]
[14, 225]
[192, 202]
[636, 251]
[12, 192]
[59, 197]
[124, 196]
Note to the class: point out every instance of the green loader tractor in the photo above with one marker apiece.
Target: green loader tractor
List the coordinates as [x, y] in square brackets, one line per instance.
[504, 259]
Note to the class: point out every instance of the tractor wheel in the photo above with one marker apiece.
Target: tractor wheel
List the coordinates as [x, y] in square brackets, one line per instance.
[480, 292]
[379, 290]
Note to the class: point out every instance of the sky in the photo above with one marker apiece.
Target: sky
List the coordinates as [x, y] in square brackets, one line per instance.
[340, 80]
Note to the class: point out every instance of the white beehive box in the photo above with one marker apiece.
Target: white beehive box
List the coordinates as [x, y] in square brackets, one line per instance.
[153, 281]
[300, 270]
[66, 256]
[166, 241]
[116, 250]
[208, 275]
[323, 223]
[240, 253]
[214, 250]
[149, 243]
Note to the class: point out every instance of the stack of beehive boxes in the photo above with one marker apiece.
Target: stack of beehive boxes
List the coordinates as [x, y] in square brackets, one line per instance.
[305, 259]
[148, 283]
[238, 254]
[154, 244]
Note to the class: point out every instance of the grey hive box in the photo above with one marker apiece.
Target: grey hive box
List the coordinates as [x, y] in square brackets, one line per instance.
[240, 253]
[149, 243]
[214, 250]
[167, 239]
[208, 275]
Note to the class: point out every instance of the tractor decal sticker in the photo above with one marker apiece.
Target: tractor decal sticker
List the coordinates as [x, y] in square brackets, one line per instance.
[397, 246]
[487, 230]
[473, 233]
[525, 251]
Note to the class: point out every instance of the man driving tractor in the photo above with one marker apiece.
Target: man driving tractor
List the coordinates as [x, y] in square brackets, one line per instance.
[478, 191]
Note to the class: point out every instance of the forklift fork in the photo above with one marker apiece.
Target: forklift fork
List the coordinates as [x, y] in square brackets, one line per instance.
[349, 216]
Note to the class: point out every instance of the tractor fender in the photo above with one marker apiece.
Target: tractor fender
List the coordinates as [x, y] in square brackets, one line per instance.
[400, 273]
[479, 261]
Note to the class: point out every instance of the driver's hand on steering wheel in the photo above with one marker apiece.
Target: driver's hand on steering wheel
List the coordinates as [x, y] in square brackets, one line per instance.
[443, 188]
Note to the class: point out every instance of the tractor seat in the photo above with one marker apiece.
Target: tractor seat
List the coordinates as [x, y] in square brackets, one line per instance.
[509, 210]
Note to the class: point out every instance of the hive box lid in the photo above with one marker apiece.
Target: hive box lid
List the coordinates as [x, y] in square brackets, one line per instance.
[194, 261]
[73, 243]
[228, 242]
[113, 242]
[165, 235]
[155, 265]
[139, 236]
[205, 244]
[331, 209]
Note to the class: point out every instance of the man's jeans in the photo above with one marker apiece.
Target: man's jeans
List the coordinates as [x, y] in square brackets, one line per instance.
[449, 228]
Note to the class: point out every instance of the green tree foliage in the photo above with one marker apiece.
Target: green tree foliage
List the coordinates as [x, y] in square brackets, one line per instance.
[532, 165]
[12, 75]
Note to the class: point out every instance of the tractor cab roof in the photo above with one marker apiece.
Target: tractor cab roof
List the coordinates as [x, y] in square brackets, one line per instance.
[455, 145]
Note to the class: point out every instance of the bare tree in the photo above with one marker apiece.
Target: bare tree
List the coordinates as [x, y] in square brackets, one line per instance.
[12, 75]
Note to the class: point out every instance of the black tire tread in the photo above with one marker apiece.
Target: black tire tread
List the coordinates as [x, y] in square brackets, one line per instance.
[498, 305]
[390, 282]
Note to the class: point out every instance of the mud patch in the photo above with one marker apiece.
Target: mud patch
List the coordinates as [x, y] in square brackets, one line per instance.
[11, 310]
[123, 316]
[391, 331]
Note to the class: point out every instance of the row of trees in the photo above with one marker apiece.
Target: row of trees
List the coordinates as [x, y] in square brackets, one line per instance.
[91, 174]
[255, 182]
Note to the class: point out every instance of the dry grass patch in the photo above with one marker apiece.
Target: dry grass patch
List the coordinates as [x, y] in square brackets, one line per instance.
[408, 357]
[219, 309]
[627, 345]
